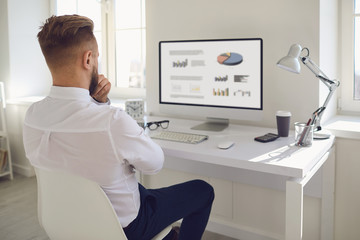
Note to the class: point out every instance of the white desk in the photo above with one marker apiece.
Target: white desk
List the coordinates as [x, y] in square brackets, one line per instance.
[293, 165]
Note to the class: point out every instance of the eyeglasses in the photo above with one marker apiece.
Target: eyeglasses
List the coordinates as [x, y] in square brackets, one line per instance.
[154, 125]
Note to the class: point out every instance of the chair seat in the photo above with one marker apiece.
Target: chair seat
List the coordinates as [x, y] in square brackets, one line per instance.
[71, 207]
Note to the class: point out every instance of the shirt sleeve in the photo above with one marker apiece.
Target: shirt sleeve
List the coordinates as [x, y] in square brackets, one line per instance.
[132, 145]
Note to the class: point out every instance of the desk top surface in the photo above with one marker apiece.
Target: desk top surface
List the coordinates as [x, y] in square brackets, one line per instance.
[279, 157]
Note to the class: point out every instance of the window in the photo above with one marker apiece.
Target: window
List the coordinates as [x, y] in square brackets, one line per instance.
[130, 43]
[350, 52]
[119, 27]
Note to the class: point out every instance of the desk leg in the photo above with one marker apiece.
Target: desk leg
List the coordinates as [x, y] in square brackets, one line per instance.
[295, 201]
[327, 199]
[294, 210]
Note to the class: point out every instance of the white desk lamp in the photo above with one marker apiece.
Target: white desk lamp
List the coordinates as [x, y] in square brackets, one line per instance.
[292, 64]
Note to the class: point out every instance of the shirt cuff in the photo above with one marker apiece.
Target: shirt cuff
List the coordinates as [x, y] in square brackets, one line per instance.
[108, 102]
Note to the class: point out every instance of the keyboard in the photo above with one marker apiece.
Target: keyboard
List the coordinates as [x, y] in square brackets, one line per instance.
[179, 137]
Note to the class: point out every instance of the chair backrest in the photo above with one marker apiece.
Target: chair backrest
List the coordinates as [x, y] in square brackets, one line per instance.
[71, 207]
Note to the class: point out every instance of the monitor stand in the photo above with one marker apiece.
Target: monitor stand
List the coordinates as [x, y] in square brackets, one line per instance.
[212, 124]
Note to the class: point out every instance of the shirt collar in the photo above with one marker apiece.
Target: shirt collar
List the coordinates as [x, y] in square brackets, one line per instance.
[69, 93]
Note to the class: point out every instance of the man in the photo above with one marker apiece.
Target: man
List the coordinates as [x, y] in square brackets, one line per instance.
[75, 130]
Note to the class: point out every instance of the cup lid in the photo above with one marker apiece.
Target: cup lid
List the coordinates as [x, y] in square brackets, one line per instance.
[283, 113]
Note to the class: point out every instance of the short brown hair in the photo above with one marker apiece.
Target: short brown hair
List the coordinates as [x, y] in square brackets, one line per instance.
[61, 36]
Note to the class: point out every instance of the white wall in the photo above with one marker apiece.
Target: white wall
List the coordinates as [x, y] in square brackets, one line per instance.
[28, 72]
[347, 184]
[22, 66]
[4, 42]
[329, 52]
[279, 23]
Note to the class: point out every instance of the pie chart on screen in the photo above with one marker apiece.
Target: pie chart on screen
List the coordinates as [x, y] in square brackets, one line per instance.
[230, 58]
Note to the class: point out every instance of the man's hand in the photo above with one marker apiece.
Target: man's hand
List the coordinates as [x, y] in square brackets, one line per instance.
[102, 89]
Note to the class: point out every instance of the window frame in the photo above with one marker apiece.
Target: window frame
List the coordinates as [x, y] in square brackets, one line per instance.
[108, 47]
[347, 103]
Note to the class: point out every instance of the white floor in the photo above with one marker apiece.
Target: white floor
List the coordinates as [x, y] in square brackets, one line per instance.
[18, 211]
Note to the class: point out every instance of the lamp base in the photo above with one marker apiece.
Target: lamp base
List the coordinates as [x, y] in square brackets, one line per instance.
[322, 134]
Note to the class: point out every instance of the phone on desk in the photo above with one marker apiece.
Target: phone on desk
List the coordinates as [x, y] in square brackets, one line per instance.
[269, 137]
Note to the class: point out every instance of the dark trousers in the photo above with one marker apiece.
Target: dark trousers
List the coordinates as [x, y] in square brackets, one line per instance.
[190, 201]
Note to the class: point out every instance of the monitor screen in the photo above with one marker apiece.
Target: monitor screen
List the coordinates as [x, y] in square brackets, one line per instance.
[217, 77]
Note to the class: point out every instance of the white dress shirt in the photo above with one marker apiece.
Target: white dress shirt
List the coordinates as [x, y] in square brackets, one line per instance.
[69, 131]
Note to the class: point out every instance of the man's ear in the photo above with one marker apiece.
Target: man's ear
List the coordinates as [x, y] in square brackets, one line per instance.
[87, 60]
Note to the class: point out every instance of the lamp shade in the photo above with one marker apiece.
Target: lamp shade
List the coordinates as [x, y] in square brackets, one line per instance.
[291, 61]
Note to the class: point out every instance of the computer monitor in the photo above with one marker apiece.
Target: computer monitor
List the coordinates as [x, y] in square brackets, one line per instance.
[220, 79]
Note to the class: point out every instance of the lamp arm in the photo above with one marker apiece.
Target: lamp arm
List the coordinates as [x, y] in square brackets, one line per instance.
[319, 73]
[319, 112]
[316, 70]
[331, 84]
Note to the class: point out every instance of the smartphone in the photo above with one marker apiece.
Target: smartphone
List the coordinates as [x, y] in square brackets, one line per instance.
[269, 137]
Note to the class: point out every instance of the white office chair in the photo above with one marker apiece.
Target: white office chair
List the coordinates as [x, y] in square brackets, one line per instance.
[71, 207]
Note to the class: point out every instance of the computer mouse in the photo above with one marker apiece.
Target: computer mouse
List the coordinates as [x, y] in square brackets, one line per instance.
[225, 145]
